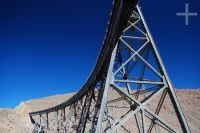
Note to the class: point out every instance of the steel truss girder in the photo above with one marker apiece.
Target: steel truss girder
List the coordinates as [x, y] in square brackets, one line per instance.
[118, 87]
[164, 83]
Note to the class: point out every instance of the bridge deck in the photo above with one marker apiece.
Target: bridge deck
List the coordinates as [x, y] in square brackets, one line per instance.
[120, 14]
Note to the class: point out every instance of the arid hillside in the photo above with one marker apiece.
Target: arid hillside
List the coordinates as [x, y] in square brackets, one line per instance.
[17, 120]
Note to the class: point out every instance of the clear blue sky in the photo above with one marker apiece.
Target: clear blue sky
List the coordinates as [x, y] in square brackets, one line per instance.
[50, 47]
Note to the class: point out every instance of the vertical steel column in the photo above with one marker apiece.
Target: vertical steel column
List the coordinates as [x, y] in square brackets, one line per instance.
[97, 107]
[85, 112]
[47, 121]
[172, 94]
[109, 80]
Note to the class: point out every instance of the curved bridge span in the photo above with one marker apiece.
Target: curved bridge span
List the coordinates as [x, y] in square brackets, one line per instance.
[127, 89]
[118, 19]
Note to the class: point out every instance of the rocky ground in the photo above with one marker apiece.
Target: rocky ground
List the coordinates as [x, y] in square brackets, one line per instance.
[17, 121]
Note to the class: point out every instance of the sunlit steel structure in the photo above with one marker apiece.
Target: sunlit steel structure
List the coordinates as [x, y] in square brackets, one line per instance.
[126, 90]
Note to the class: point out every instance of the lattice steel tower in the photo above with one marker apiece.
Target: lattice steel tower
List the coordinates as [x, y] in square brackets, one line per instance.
[128, 91]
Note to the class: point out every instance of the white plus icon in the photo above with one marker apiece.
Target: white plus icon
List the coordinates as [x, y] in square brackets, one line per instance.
[187, 14]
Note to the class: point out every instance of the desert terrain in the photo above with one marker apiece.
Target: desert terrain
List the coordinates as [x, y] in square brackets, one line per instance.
[17, 120]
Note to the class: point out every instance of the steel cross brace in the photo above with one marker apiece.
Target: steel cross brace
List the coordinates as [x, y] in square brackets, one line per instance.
[91, 108]
[161, 73]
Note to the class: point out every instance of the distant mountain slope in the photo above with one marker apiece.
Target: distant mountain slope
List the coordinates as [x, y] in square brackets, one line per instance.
[17, 120]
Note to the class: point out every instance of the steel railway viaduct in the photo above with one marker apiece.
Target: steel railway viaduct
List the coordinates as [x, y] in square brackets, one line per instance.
[126, 90]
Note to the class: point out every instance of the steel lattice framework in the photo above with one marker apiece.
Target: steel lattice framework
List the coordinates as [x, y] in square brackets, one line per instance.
[127, 90]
